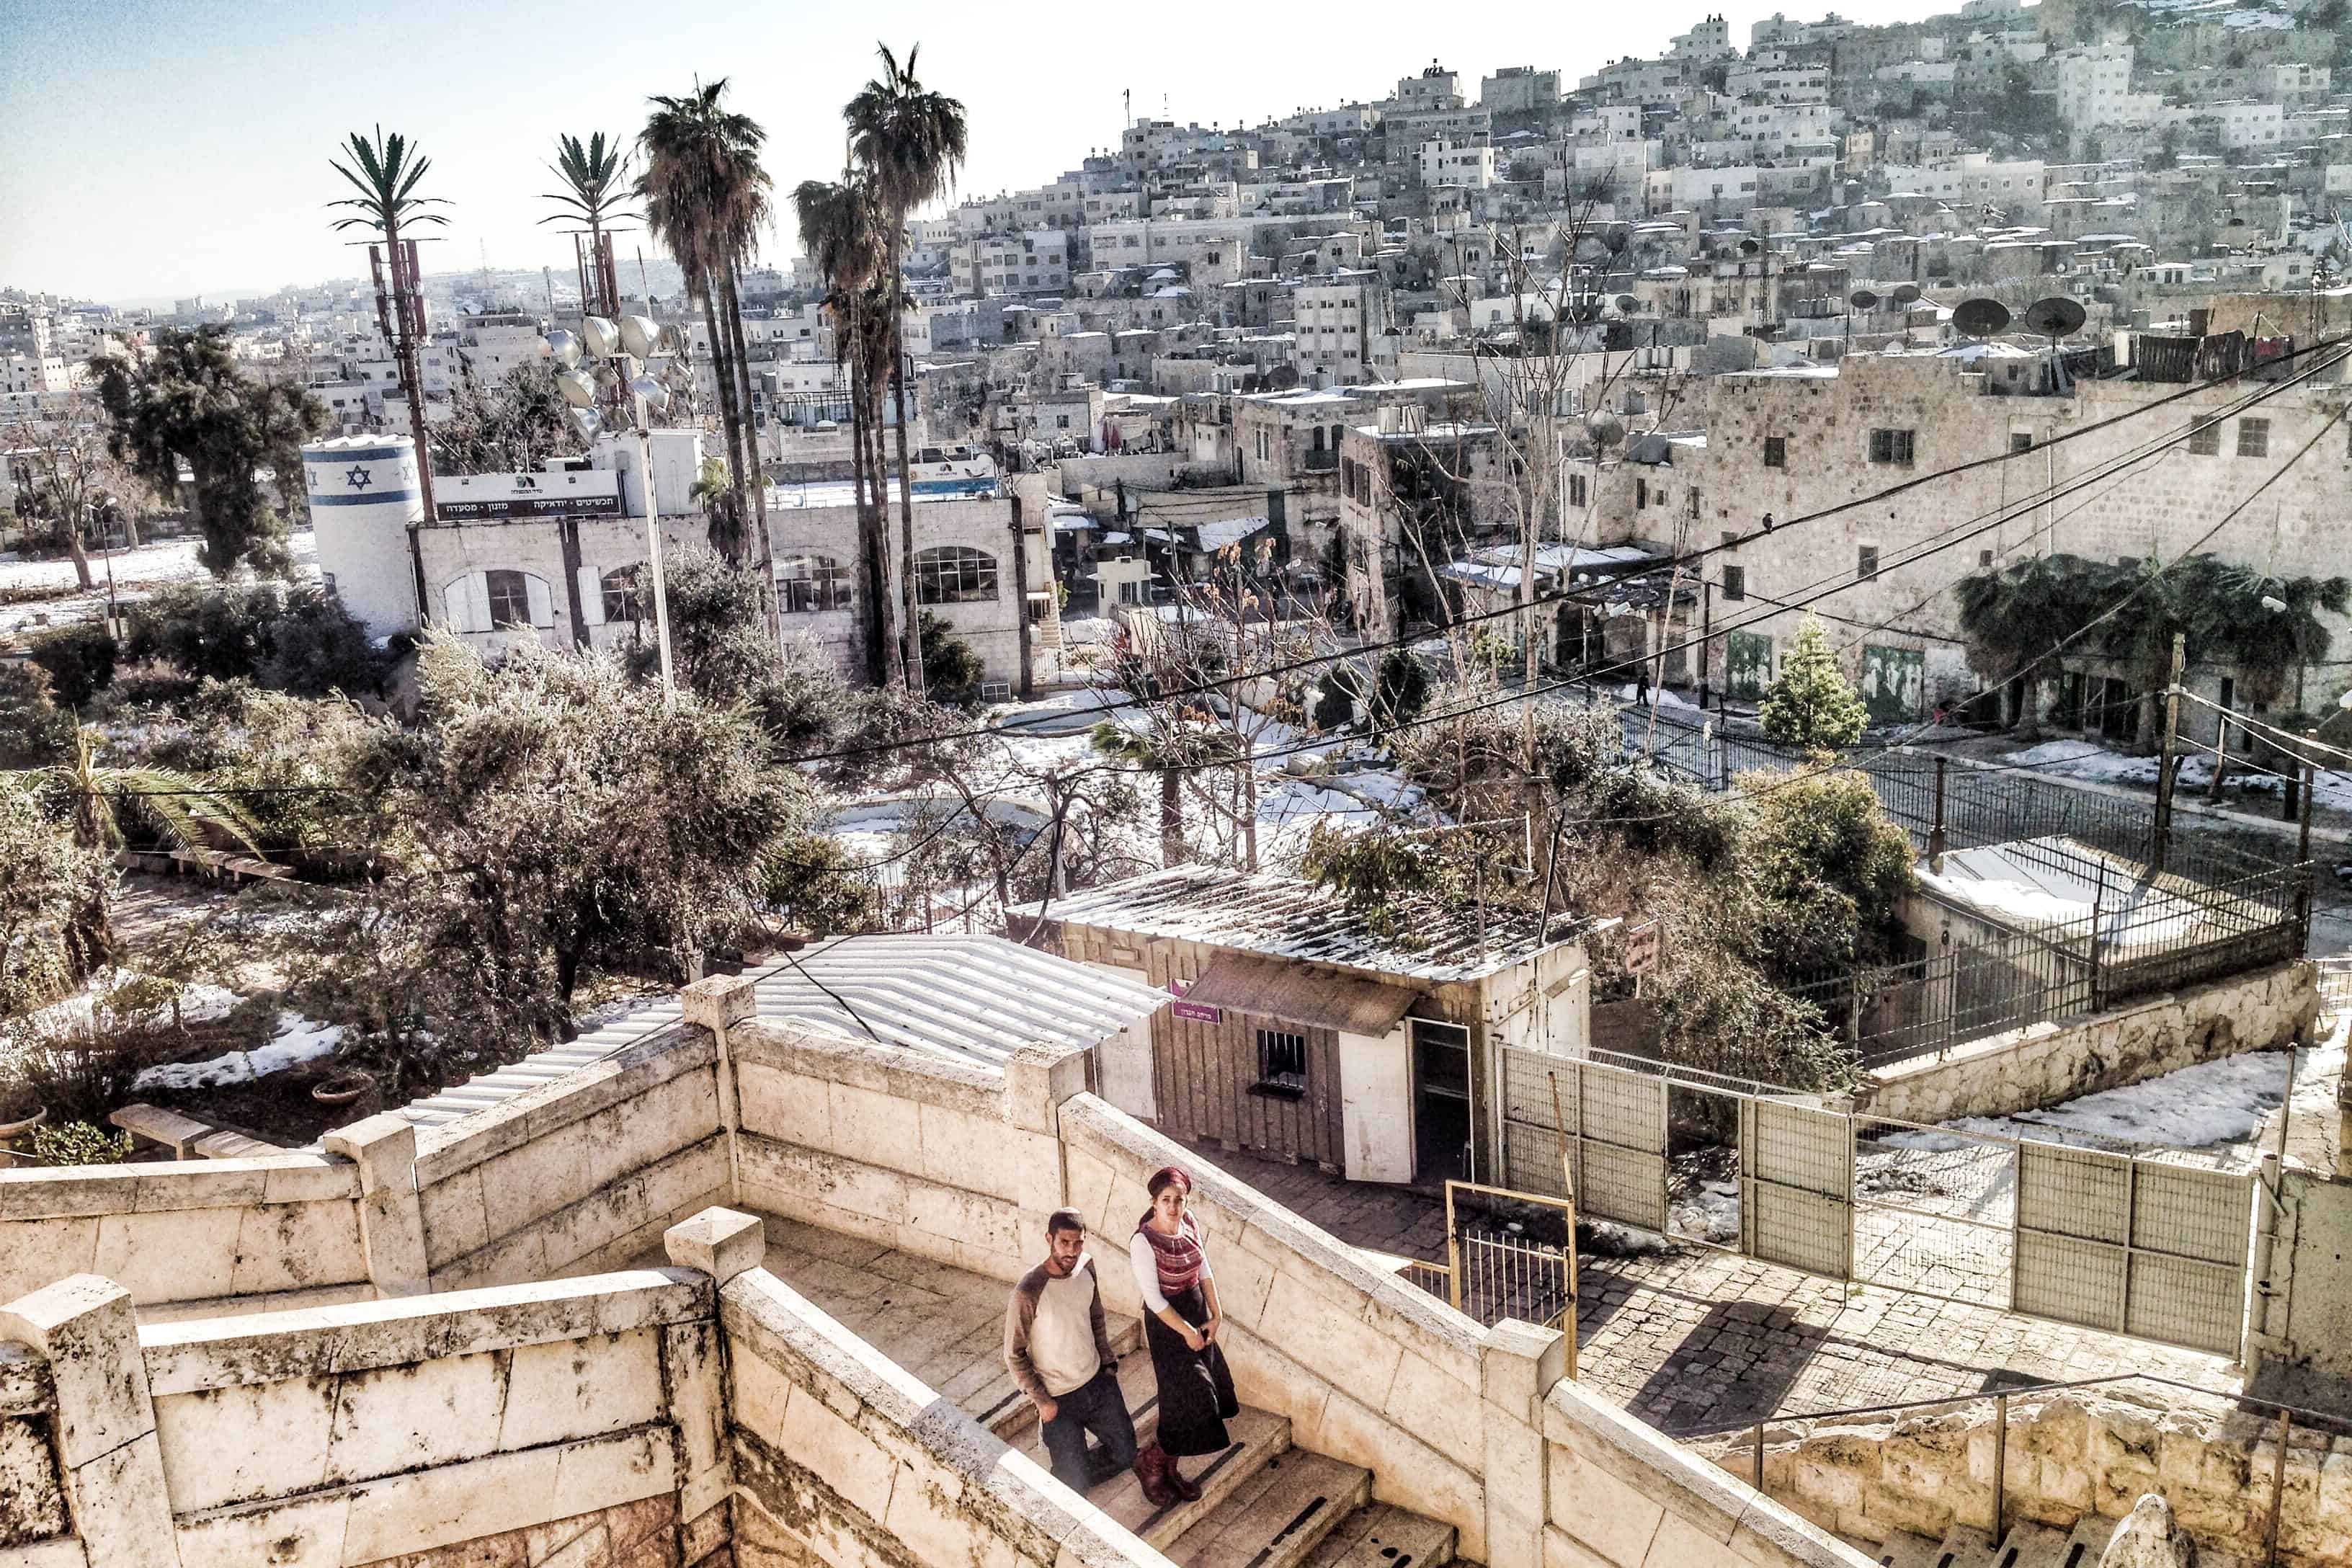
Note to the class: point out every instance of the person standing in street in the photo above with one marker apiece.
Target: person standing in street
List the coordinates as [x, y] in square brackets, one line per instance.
[1180, 1323]
[1058, 1348]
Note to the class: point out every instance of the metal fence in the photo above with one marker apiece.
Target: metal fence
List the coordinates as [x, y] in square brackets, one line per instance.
[1509, 1254]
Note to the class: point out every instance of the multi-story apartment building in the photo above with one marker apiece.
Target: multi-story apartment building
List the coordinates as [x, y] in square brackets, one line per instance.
[1035, 261]
[1347, 329]
[1519, 89]
[1470, 164]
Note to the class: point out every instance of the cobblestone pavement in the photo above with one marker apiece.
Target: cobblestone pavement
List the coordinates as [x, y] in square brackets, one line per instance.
[1696, 1339]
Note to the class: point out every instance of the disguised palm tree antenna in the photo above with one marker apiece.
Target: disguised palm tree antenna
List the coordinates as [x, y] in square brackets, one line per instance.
[592, 194]
[841, 233]
[909, 142]
[705, 197]
[386, 174]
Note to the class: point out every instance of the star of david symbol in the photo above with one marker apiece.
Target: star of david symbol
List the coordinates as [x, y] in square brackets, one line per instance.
[357, 479]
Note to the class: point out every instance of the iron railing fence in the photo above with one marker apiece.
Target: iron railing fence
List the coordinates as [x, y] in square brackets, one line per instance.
[2157, 937]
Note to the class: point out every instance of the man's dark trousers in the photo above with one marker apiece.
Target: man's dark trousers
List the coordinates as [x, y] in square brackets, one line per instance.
[1100, 1408]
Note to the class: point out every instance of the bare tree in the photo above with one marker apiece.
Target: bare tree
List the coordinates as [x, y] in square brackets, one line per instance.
[76, 484]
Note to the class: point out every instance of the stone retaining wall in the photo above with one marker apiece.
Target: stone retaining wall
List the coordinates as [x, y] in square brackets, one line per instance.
[2042, 1064]
[2069, 1455]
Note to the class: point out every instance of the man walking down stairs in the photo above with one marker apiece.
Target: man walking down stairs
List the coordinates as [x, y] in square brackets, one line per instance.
[1262, 1503]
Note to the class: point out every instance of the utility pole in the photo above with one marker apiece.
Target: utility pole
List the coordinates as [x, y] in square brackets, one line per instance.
[2168, 767]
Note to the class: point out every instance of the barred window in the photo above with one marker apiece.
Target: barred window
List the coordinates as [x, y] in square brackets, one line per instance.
[954, 575]
[1891, 446]
[2253, 438]
[509, 599]
[1776, 451]
[1735, 583]
[1282, 1060]
[808, 584]
[2205, 439]
[619, 589]
[1865, 562]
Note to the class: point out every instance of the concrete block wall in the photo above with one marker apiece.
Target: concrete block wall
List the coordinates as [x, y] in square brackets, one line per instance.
[843, 1458]
[570, 1421]
[582, 1174]
[920, 1153]
[2042, 1064]
[2083, 1452]
[278, 1231]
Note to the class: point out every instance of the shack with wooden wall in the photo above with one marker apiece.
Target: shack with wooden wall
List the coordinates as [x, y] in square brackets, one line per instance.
[1299, 1029]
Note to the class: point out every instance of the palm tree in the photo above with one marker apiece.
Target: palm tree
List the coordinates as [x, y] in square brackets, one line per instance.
[180, 810]
[2015, 614]
[592, 194]
[387, 172]
[705, 197]
[1167, 756]
[714, 491]
[841, 234]
[910, 142]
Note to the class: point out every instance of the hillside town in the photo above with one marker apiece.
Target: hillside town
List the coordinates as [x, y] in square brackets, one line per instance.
[1595, 811]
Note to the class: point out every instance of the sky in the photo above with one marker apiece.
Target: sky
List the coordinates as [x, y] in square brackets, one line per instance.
[155, 149]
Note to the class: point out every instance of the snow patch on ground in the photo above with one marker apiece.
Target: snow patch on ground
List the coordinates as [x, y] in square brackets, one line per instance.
[299, 1040]
[137, 573]
[2081, 760]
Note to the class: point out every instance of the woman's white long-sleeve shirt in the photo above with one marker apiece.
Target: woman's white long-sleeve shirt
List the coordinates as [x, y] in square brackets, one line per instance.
[1146, 1266]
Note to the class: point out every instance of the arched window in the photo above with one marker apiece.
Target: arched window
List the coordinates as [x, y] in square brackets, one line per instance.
[954, 575]
[509, 599]
[807, 584]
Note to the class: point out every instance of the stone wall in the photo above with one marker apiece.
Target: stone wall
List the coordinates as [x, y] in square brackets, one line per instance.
[508, 1426]
[2042, 1064]
[279, 1231]
[918, 1153]
[580, 1175]
[2069, 1455]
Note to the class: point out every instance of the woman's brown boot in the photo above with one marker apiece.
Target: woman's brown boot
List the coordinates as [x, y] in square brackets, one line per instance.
[1151, 1467]
[1190, 1491]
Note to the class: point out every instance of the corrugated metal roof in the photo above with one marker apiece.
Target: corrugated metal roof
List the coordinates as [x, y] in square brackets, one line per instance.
[1273, 989]
[1285, 917]
[974, 999]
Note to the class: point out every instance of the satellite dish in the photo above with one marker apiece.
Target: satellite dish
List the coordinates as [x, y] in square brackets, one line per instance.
[564, 346]
[2056, 316]
[1628, 306]
[1980, 318]
[602, 337]
[655, 394]
[1863, 299]
[1606, 429]
[640, 335]
[1906, 292]
[1748, 247]
[577, 389]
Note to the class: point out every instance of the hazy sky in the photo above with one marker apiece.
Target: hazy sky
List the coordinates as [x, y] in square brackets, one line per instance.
[168, 147]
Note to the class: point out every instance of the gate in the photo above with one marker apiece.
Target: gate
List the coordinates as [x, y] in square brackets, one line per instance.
[1612, 1122]
[1796, 1186]
[2136, 1247]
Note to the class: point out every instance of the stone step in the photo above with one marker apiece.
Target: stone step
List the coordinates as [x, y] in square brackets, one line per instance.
[1277, 1516]
[1380, 1536]
[1257, 1435]
[1905, 1550]
[2033, 1546]
[1965, 1546]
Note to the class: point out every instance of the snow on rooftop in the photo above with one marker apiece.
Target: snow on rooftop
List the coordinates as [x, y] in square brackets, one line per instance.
[1288, 917]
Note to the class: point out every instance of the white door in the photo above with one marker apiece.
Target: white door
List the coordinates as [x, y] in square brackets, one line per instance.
[1376, 1107]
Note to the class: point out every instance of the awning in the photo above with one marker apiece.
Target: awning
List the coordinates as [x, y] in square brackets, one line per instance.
[1274, 989]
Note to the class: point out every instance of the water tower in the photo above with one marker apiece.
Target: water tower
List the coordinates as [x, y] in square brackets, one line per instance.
[365, 498]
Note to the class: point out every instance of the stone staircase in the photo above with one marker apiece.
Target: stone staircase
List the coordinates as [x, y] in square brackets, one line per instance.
[2025, 1546]
[1264, 1503]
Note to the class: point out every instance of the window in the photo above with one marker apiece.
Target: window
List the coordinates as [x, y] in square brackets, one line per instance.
[807, 584]
[2020, 441]
[1891, 446]
[1984, 558]
[619, 591]
[1776, 451]
[953, 574]
[1575, 489]
[1281, 1062]
[1867, 561]
[509, 599]
[1641, 492]
[2205, 440]
[2253, 438]
[1691, 503]
[1735, 581]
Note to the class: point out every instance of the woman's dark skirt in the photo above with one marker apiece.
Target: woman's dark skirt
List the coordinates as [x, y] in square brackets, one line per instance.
[1196, 1390]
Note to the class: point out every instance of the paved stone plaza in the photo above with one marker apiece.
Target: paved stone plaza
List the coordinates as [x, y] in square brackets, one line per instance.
[1695, 1338]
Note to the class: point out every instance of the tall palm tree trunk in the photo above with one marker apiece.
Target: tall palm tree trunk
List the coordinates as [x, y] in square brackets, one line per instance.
[910, 629]
[721, 368]
[758, 474]
[874, 582]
